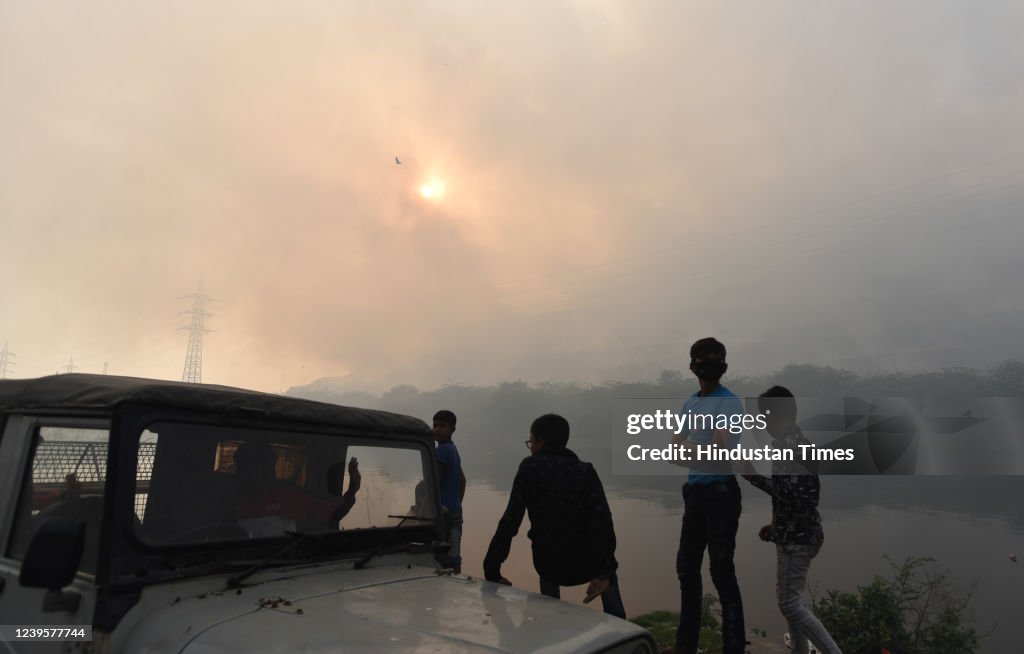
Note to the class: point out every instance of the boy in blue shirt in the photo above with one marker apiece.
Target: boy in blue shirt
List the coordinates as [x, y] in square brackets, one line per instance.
[711, 513]
[453, 482]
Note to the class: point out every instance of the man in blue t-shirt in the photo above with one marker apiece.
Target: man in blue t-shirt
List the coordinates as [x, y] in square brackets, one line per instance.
[453, 482]
[711, 499]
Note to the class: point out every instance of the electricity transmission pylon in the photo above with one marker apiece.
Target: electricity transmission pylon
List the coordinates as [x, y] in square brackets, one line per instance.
[193, 372]
[5, 361]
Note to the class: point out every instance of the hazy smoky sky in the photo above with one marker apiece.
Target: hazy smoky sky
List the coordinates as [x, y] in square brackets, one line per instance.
[836, 183]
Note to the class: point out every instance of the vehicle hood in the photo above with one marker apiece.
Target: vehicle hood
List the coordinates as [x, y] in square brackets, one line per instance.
[392, 608]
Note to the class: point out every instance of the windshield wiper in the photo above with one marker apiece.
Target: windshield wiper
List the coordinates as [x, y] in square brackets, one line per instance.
[176, 570]
[366, 559]
[236, 581]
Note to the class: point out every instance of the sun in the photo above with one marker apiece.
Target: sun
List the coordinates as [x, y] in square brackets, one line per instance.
[432, 190]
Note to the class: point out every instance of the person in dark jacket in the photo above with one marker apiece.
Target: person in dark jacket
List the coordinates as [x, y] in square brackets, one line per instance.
[571, 530]
[796, 524]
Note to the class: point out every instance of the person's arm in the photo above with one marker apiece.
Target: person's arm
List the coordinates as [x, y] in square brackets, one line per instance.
[682, 439]
[600, 529]
[596, 587]
[800, 492]
[443, 460]
[767, 484]
[508, 527]
[764, 483]
[355, 479]
[723, 437]
[797, 491]
[462, 485]
[355, 482]
[340, 509]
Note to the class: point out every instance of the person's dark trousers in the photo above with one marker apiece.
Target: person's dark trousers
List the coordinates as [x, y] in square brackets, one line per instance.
[711, 516]
[611, 599]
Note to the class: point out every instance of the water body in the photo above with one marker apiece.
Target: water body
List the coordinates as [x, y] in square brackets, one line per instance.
[864, 519]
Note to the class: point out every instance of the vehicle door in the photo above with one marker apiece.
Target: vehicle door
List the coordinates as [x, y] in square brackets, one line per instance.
[50, 468]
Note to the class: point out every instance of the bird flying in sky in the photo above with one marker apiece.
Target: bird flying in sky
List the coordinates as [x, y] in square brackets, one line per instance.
[397, 160]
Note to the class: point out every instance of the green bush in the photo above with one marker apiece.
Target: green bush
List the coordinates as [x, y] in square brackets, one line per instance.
[918, 611]
[663, 624]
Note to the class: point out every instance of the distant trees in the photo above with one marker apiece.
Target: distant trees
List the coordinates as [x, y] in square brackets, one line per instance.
[817, 380]
[1005, 379]
[496, 418]
[1009, 377]
[401, 394]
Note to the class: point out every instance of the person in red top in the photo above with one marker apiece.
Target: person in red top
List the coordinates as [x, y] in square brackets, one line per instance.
[262, 495]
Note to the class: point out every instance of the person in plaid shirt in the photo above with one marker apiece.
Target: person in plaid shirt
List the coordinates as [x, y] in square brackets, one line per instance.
[796, 524]
[571, 529]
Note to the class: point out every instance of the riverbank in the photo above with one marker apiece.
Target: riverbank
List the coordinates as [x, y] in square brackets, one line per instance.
[662, 625]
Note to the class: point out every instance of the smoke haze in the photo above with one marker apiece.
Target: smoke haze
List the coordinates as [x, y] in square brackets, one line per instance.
[837, 185]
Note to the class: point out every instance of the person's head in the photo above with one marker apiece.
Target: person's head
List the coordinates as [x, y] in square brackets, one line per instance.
[255, 463]
[549, 431]
[444, 425]
[778, 406]
[707, 360]
[72, 487]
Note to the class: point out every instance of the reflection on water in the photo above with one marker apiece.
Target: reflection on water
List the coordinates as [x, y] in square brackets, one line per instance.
[975, 550]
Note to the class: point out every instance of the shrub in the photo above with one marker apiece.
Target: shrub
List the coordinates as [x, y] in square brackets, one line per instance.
[663, 624]
[918, 611]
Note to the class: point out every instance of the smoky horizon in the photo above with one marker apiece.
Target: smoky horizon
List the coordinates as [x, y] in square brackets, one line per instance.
[463, 194]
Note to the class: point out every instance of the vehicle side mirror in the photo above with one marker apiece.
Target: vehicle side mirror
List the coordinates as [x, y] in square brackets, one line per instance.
[52, 559]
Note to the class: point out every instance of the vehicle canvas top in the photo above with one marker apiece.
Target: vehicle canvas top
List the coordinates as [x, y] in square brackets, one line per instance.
[107, 392]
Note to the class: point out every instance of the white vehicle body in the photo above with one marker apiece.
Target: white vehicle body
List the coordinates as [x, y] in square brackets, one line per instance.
[177, 550]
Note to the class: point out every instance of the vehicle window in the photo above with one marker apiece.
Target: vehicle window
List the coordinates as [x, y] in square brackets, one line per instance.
[392, 484]
[205, 483]
[69, 471]
[144, 471]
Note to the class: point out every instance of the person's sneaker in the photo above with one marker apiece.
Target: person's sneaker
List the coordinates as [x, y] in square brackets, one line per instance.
[811, 649]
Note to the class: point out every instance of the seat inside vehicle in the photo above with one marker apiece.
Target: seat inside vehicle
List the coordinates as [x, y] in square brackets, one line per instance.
[88, 508]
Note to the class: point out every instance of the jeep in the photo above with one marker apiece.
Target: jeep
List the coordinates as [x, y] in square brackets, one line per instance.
[174, 517]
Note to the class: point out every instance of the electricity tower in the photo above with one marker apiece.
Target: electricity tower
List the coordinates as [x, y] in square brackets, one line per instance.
[193, 372]
[5, 361]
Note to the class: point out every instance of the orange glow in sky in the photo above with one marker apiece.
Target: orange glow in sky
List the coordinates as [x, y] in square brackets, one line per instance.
[432, 190]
